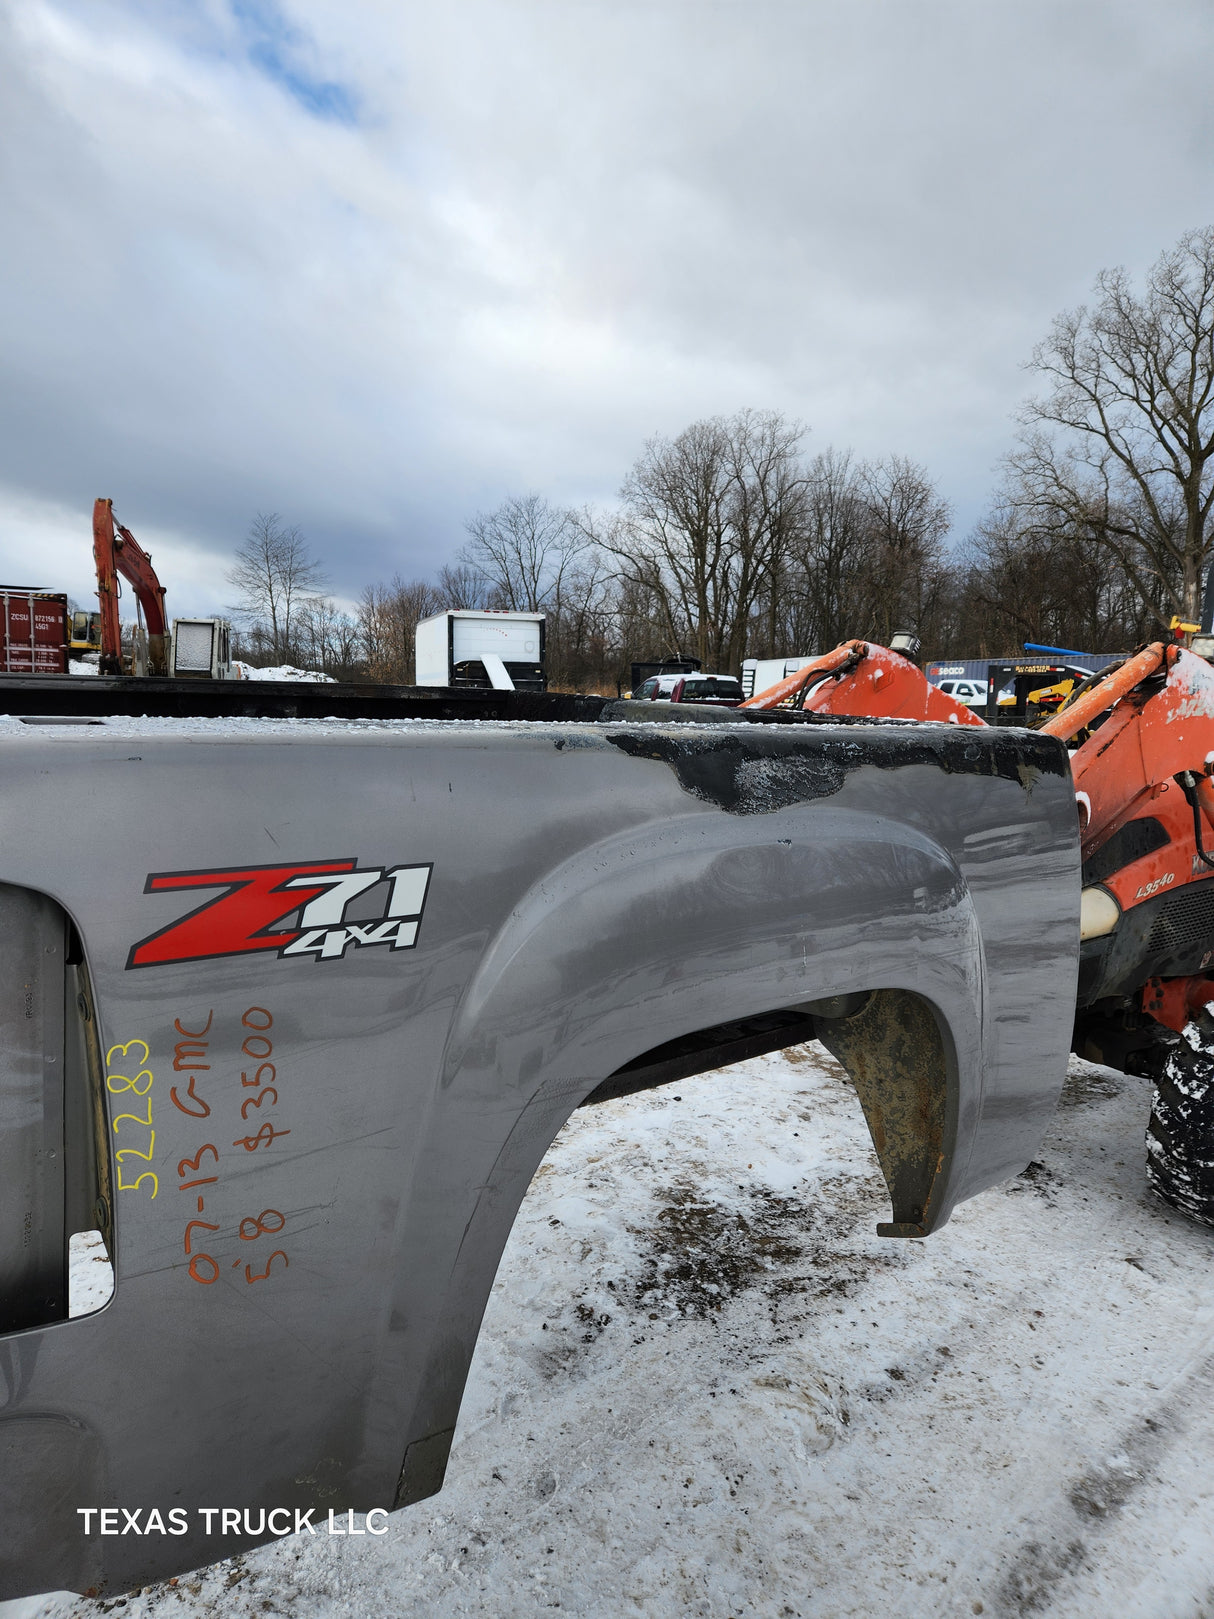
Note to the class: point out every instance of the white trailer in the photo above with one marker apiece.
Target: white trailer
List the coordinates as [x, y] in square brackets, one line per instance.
[760, 673]
[461, 647]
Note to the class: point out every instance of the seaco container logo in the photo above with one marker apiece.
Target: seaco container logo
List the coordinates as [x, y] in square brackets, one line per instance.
[245, 918]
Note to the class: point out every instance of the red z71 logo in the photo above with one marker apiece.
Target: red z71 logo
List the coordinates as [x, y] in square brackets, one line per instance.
[244, 918]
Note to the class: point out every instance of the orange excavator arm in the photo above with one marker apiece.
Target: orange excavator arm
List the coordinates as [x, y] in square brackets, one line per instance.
[117, 551]
[859, 677]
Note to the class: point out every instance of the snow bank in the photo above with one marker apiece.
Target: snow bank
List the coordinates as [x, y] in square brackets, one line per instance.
[280, 671]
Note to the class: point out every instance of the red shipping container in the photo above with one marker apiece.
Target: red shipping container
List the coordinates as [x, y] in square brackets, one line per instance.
[33, 631]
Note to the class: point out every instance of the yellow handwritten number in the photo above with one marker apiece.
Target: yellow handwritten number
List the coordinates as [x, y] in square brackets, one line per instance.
[129, 1084]
[147, 1050]
[132, 1152]
[117, 1085]
[147, 1175]
[135, 1119]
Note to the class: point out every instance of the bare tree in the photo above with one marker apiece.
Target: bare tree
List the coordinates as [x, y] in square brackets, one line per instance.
[523, 551]
[582, 630]
[907, 521]
[817, 594]
[767, 513]
[1022, 582]
[388, 616]
[858, 550]
[707, 516]
[1120, 449]
[727, 544]
[461, 586]
[326, 637]
[674, 537]
[273, 574]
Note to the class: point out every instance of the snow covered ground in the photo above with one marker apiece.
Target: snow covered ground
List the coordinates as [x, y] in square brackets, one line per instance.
[280, 671]
[90, 1276]
[705, 1387]
[244, 671]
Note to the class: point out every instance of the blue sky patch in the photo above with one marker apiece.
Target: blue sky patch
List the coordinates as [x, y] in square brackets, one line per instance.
[278, 49]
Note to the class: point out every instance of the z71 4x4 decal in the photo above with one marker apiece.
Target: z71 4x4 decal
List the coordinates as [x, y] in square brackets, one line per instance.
[243, 918]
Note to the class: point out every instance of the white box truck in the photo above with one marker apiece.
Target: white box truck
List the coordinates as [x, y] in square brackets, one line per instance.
[461, 647]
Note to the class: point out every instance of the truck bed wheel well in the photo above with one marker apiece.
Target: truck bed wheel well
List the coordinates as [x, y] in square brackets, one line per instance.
[706, 1049]
[898, 1057]
[891, 1045]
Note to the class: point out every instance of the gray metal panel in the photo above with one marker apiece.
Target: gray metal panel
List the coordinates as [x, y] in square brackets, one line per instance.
[596, 891]
[33, 1245]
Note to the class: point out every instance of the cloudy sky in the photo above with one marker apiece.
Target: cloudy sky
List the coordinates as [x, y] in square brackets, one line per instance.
[377, 264]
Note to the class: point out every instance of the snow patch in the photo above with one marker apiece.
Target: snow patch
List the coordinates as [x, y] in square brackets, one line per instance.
[280, 671]
[90, 1276]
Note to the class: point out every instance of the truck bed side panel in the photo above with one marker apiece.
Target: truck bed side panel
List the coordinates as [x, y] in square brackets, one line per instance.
[539, 906]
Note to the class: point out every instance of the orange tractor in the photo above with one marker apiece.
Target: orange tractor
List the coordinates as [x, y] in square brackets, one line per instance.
[1141, 734]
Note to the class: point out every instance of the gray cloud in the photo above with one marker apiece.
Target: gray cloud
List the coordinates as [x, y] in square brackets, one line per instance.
[375, 265]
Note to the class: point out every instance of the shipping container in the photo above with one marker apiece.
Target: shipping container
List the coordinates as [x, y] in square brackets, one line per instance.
[33, 631]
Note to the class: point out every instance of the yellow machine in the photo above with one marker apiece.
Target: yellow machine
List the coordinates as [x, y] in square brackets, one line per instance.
[86, 634]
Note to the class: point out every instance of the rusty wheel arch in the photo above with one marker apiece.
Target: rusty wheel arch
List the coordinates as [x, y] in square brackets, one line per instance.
[899, 1055]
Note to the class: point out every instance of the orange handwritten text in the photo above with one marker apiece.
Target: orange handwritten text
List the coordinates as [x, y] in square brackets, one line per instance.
[191, 1056]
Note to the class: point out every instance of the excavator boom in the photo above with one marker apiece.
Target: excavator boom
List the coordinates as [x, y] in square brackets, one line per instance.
[117, 551]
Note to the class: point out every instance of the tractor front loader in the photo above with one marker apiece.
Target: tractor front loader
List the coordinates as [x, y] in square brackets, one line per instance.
[1141, 741]
[862, 678]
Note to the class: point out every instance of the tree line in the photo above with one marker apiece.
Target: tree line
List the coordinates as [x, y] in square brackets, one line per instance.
[729, 541]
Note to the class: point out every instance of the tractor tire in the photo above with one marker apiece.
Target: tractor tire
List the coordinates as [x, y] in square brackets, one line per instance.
[1180, 1136]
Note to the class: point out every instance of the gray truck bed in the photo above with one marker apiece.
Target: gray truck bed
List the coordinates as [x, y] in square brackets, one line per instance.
[355, 976]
